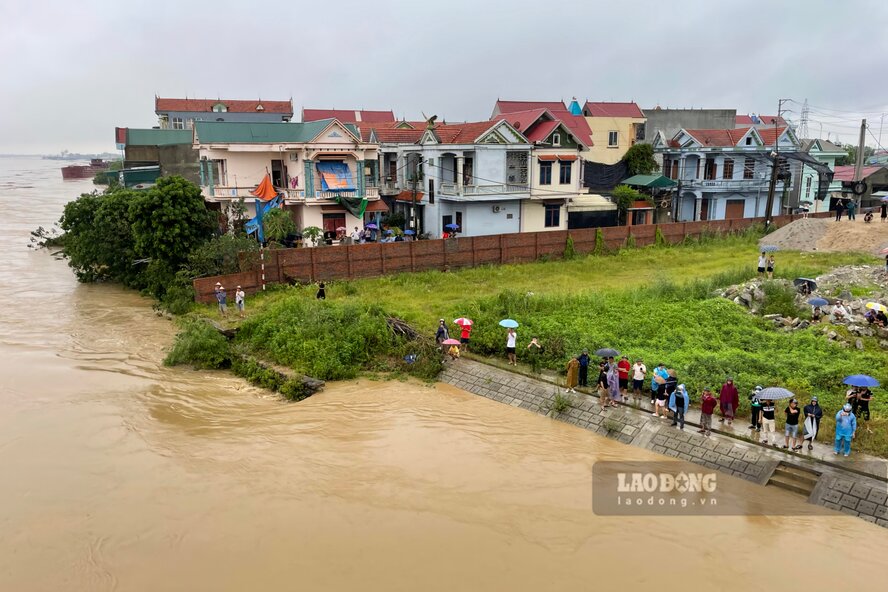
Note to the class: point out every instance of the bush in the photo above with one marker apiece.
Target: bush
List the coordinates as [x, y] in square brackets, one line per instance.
[569, 251]
[268, 378]
[198, 343]
[779, 299]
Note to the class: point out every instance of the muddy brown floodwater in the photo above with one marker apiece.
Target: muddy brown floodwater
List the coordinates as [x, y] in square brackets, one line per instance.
[120, 474]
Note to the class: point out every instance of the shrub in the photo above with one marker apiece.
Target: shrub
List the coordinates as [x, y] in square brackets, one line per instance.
[600, 247]
[779, 299]
[569, 251]
[560, 403]
[198, 343]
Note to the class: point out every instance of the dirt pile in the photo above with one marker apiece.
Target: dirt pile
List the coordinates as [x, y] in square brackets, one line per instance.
[823, 234]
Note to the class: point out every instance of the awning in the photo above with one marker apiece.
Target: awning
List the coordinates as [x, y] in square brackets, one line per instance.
[376, 206]
[651, 181]
[335, 176]
[549, 157]
[567, 157]
[591, 202]
[408, 196]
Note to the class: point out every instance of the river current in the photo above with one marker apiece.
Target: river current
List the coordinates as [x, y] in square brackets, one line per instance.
[117, 473]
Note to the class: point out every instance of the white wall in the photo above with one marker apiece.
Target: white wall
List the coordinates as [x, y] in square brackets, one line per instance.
[489, 165]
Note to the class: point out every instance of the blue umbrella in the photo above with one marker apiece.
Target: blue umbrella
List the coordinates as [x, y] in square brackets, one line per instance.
[409, 232]
[885, 199]
[451, 226]
[390, 231]
[818, 302]
[770, 248]
[860, 380]
[509, 323]
[775, 393]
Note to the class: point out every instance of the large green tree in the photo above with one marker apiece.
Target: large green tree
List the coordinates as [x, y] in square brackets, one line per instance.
[277, 224]
[640, 160]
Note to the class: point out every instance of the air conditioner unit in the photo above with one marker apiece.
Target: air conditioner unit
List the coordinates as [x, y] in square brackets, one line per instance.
[495, 209]
[294, 156]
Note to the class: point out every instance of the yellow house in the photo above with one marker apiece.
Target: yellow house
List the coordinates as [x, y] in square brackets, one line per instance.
[615, 127]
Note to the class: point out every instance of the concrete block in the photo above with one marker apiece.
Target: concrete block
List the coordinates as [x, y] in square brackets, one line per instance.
[843, 485]
[849, 501]
[860, 490]
[867, 508]
[659, 449]
[833, 496]
[739, 465]
[878, 496]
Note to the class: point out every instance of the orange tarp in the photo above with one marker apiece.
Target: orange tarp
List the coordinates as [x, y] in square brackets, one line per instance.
[265, 191]
[334, 181]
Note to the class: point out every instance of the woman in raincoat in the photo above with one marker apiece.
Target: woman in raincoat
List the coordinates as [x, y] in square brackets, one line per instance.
[846, 426]
[613, 382]
[678, 404]
[573, 375]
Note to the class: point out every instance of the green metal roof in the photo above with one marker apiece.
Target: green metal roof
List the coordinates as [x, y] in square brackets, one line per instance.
[157, 137]
[653, 181]
[209, 132]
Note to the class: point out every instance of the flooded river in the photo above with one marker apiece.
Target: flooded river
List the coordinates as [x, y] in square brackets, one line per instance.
[120, 474]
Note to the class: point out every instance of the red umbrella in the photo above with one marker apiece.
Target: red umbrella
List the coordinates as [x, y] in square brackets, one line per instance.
[451, 342]
[462, 321]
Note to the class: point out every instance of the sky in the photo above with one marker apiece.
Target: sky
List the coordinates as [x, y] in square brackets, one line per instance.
[72, 71]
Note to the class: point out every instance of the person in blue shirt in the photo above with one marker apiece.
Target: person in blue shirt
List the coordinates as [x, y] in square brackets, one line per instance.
[846, 426]
[584, 360]
[660, 371]
[678, 404]
[221, 298]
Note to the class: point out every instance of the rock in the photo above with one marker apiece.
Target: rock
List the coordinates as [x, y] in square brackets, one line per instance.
[786, 322]
[771, 317]
[832, 335]
[844, 344]
[858, 343]
[730, 292]
[758, 294]
[746, 298]
[854, 329]
[845, 295]
[881, 332]
[738, 301]
[883, 343]
[795, 322]
[803, 325]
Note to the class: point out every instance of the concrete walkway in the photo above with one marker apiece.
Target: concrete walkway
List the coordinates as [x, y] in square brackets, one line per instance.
[856, 486]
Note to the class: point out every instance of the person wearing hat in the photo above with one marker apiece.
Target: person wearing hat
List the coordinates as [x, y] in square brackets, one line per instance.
[678, 403]
[846, 427]
[221, 298]
[791, 427]
[442, 334]
[239, 298]
[755, 410]
[812, 411]
[623, 367]
[584, 360]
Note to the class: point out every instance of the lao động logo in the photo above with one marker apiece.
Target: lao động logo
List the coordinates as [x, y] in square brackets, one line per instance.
[654, 488]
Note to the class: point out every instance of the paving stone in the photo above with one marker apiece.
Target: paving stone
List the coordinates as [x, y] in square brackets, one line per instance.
[659, 449]
[626, 439]
[833, 496]
[833, 506]
[868, 508]
[882, 522]
[711, 456]
[711, 465]
[685, 456]
[671, 452]
[843, 485]
[751, 456]
[754, 469]
[516, 402]
[739, 465]
[849, 511]
[682, 437]
[629, 430]
[685, 447]
[723, 448]
[868, 518]
[849, 501]
[860, 490]
[882, 512]
[736, 453]
[878, 496]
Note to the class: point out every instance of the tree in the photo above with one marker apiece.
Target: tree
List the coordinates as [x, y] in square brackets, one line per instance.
[624, 196]
[220, 256]
[851, 158]
[278, 224]
[640, 160]
[312, 233]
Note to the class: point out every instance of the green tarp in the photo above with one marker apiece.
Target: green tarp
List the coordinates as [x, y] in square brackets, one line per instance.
[353, 205]
[651, 181]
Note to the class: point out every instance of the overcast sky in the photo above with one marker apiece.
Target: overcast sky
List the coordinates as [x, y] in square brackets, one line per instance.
[71, 71]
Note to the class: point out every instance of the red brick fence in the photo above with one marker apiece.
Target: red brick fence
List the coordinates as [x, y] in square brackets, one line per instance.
[375, 259]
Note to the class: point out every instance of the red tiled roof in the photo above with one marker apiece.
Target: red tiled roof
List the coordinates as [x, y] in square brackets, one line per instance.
[377, 205]
[576, 124]
[347, 115]
[723, 138]
[388, 135]
[602, 109]
[541, 131]
[407, 196]
[743, 120]
[763, 120]
[462, 133]
[164, 105]
[524, 121]
[521, 120]
[769, 134]
[846, 172]
[513, 106]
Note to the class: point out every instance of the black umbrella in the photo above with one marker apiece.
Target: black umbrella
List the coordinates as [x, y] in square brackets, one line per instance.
[607, 352]
[812, 285]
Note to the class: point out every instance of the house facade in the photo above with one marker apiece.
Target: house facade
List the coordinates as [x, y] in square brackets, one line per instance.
[323, 169]
[616, 127]
[725, 173]
[168, 149]
[183, 113]
[805, 186]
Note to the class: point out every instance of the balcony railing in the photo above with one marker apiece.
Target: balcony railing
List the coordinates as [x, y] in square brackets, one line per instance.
[728, 184]
[483, 191]
[223, 192]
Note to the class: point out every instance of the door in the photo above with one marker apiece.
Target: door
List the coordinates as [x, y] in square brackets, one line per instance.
[734, 208]
[459, 221]
[333, 221]
[704, 209]
[278, 176]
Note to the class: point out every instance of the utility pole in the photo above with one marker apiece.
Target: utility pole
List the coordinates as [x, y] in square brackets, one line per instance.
[858, 166]
[769, 206]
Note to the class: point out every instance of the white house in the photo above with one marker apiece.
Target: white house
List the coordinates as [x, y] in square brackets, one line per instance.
[725, 173]
[805, 187]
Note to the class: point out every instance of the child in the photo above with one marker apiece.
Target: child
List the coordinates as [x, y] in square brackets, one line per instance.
[453, 352]
[239, 301]
[322, 292]
[707, 406]
[771, 267]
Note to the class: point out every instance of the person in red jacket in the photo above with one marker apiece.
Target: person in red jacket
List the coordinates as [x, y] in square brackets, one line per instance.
[623, 367]
[729, 399]
[707, 406]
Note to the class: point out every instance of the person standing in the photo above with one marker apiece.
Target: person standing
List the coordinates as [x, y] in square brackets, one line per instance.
[441, 334]
[639, 372]
[884, 211]
[678, 403]
[846, 428]
[770, 267]
[791, 429]
[221, 298]
[322, 292]
[769, 430]
[239, 301]
[356, 236]
[762, 263]
[852, 209]
[755, 410]
[584, 360]
[511, 341]
[573, 371]
[603, 395]
[840, 208]
[864, 396]
[813, 412]
[656, 385]
[851, 398]
[465, 336]
[613, 382]
[729, 399]
[534, 351]
[623, 367]
[707, 406]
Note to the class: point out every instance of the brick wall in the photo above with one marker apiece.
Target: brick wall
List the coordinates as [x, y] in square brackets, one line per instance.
[375, 259]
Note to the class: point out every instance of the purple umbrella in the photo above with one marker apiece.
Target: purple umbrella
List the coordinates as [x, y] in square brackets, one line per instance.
[371, 226]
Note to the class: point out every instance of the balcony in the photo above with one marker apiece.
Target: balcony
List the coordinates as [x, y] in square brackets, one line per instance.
[737, 185]
[225, 193]
[490, 192]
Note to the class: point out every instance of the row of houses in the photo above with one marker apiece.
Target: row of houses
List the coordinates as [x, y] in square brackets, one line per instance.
[532, 166]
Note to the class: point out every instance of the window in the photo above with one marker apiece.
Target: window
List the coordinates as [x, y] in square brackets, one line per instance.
[749, 140]
[553, 216]
[709, 170]
[675, 169]
[749, 168]
[556, 139]
[545, 172]
[808, 187]
[178, 123]
[459, 220]
[666, 166]
[612, 138]
[564, 169]
[431, 191]
[189, 124]
[516, 168]
[219, 108]
[220, 172]
[728, 170]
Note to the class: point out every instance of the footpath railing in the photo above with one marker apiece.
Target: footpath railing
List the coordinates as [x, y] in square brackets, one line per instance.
[374, 259]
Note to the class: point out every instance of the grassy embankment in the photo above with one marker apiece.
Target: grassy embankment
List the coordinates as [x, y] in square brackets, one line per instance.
[653, 303]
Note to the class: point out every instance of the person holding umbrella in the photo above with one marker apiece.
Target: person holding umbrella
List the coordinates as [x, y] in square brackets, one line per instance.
[511, 341]
[453, 352]
[584, 368]
[813, 414]
[466, 332]
[846, 428]
[729, 400]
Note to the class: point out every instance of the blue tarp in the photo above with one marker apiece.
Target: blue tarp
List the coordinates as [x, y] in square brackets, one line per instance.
[335, 176]
[262, 208]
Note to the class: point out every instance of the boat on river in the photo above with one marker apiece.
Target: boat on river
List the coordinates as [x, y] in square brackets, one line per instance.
[85, 171]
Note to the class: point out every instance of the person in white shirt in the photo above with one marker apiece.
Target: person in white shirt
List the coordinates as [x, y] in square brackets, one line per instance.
[511, 340]
[763, 261]
[356, 236]
[639, 372]
[239, 297]
[839, 312]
